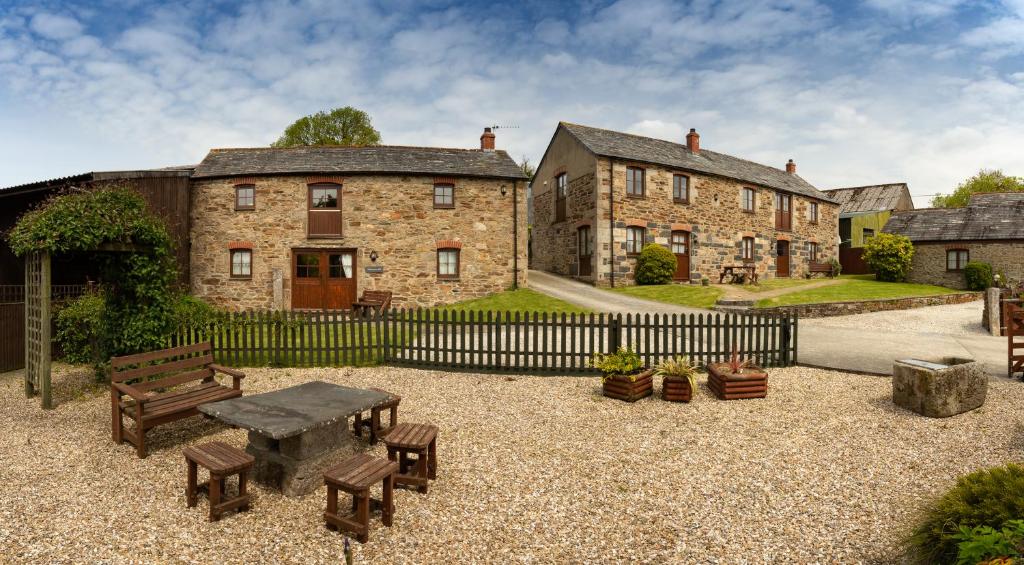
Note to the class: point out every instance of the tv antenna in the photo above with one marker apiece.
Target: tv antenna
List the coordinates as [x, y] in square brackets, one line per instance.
[494, 127]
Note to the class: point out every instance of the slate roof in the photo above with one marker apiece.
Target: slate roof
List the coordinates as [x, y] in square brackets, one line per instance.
[608, 143]
[873, 198]
[998, 215]
[372, 159]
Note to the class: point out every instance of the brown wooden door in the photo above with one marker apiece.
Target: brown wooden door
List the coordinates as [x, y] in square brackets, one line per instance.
[782, 259]
[585, 251]
[323, 279]
[681, 248]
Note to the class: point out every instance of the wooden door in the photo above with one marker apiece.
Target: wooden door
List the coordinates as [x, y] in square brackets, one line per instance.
[783, 211]
[782, 259]
[681, 248]
[585, 251]
[323, 279]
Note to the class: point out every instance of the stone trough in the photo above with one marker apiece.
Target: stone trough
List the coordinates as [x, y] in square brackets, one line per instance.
[939, 389]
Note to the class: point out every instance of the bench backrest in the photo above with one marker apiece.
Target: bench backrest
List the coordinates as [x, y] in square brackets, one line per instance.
[821, 267]
[164, 368]
[382, 297]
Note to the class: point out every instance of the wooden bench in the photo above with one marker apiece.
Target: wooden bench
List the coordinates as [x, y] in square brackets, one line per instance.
[372, 301]
[222, 461]
[152, 384]
[373, 424]
[824, 268]
[355, 476]
[413, 439]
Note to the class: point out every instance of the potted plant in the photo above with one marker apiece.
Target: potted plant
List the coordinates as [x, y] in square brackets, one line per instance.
[623, 375]
[737, 378]
[678, 379]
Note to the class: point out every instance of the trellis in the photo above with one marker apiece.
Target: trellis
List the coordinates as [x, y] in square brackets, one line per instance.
[37, 326]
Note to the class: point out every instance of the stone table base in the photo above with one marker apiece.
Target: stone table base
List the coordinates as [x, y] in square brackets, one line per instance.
[296, 464]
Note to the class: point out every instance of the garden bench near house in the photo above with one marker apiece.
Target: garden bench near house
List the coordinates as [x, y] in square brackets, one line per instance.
[371, 301]
[824, 268]
[145, 387]
[738, 274]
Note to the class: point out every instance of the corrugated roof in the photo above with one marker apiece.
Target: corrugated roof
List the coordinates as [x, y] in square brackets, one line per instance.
[988, 216]
[182, 170]
[872, 198]
[608, 143]
[371, 159]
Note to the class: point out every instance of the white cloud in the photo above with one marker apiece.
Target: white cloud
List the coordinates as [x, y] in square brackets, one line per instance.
[55, 26]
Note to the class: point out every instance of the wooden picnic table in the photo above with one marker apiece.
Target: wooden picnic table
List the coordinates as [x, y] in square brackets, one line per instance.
[740, 272]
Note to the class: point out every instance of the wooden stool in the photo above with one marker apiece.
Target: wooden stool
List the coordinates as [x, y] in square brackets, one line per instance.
[413, 439]
[376, 430]
[222, 461]
[355, 476]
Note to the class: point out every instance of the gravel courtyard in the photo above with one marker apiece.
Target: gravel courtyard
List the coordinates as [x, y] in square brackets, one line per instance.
[950, 319]
[531, 469]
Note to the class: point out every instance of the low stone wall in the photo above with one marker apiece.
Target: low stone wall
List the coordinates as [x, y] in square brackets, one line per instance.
[826, 309]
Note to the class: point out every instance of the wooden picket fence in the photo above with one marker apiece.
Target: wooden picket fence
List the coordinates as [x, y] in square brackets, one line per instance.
[490, 341]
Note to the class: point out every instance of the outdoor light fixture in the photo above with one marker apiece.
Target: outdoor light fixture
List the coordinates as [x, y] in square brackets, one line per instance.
[373, 256]
[503, 190]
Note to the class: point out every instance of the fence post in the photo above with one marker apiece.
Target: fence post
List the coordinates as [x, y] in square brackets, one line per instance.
[615, 333]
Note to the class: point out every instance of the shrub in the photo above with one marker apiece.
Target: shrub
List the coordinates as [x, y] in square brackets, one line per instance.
[984, 543]
[192, 313]
[80, 330]
[680, 367]
[889, 256]
[837, 267]
[625, 361]
[978, 275]
[990, 497]
[655, 265]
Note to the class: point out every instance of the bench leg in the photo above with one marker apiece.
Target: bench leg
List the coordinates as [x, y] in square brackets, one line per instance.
[432, 459]
[363, 516]
[394, 416]
[332, 505]
[388, 507]
[421, 468]
[116, 418]
[140, 433]
[374, 424]
[190, 490]
[357, 425]
[242, 489]
[215, 488]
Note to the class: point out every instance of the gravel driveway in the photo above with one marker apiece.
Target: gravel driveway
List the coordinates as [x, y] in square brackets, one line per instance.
[531, 469]
[951, 319]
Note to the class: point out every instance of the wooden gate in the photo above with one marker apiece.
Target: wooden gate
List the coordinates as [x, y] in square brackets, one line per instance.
[12, 336]
[852, 262]
[37, 326]
[1014, 340]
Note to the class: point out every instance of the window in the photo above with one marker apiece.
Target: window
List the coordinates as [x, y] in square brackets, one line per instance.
[635, 182]
[245, 197]
[444, 196]
[241, 263]
[747, 249]
[324, 210]
[583, 244]
[681, 189]
[680, 243]
[447, 263]
[868, 234]
[812, 252]
[748, 199]
[956, 259]
[814, 212]
[339, 265]
[307, 265]
[783, 211]
[561, 191]
[634, 240]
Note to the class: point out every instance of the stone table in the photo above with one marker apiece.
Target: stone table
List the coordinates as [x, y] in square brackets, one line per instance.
[295, 433]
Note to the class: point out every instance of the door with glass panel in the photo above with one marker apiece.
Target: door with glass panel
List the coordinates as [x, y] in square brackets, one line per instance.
[585, 253]
[681, 249]
[323, 278]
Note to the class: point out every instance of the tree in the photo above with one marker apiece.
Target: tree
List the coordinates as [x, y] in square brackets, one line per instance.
[341, 126]
[889, 256]
[984, 181]
[527, 166]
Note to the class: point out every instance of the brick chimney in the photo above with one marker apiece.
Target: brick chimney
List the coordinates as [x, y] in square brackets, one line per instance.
[791, 167]
[693, 141]
[487, 140]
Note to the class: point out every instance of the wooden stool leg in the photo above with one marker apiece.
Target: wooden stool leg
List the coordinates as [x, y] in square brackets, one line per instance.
[421, 468]
[388, 506]
[432, 459]
[215, 487]
[332, 504]
[394, 415]
[190, 490]
[357, 425]
[364, 516]
[374, 424]
[355, 504]
[242, 490]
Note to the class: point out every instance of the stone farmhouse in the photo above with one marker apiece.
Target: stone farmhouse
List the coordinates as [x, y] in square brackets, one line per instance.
[600, 195]
[863, 212]
[990, 229]
[314, 227]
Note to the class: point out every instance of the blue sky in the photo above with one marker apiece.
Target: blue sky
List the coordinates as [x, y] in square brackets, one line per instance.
[926, 92]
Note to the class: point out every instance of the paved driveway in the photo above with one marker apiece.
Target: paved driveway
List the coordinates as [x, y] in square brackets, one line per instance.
[859, 343]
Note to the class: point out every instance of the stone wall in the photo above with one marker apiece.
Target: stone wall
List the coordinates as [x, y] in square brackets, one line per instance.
[826, 309]
[929, 265]
[715, 216]
[392, 215]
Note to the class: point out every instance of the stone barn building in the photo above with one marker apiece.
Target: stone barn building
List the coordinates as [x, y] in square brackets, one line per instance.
[863, 212]
[990, 229]
[600, 195]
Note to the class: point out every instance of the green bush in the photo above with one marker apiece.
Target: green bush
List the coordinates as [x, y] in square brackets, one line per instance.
[978, 275]
[990, 497]
[655, 265]
[837, 267]
[80, 330]
[192, 313]
[984, 543]
[625, 361]
[889, 256]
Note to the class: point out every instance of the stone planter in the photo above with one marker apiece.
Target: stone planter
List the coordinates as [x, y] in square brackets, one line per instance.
[749, 382]
[676, 389]
[629, 387]
[939, 389]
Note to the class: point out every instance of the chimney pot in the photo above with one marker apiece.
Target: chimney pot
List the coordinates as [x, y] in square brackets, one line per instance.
[791, 167]
[487, 140]
[693, 141]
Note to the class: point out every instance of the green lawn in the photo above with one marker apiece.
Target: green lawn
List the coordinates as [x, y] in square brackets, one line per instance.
[694, 296]
[774, 284]
[519, 300]
[855, 287]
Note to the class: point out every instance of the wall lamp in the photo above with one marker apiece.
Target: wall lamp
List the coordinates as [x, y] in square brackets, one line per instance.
[373, 256]
[503, 190]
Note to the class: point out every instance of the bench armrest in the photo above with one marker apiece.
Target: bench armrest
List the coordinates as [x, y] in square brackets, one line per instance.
[137, 395]
[235, 374]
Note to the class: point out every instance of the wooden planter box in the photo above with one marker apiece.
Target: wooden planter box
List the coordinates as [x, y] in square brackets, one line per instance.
[676, 389]
[751, 382]
[629, 387]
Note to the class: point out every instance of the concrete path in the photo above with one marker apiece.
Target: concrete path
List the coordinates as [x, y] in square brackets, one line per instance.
[740, 292]
[863, 350]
